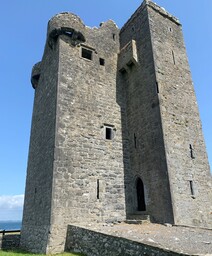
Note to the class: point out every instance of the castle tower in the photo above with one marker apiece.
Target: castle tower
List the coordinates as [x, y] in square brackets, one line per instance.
[168, 160]
[75, 168]
[115, 129]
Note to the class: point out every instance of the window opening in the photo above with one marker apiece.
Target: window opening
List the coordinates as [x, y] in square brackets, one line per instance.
[108, 133]
[170, 29]
[97, 189]
[157, 87]
[191, 151]
[140, 195]
[87, 54]
[68, 33]
[114, 37]
[101, 61]
[135, 141]
[191, 187]
[173, 57]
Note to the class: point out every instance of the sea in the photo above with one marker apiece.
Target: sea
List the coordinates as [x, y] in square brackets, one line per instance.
[10, 225]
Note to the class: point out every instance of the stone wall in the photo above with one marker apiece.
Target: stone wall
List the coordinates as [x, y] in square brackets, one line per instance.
[88, 179]
[115, 116]
[145, 135]
[8, 242]
[93, 243]
[75, 173]
[38, 192]
[188, 168]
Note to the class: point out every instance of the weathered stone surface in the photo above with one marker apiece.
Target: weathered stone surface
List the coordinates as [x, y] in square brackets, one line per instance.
[182, 131]
[178, 239]
[115, 129]
[94, 243]
[9, 241]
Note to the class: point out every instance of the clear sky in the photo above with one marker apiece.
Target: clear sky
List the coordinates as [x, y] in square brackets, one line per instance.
[23, 35]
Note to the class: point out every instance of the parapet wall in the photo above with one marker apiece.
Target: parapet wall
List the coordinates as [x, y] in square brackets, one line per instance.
[65, 19]
[9, 241]
[93, 243]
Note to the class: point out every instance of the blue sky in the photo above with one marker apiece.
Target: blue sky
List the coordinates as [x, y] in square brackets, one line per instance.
[23, 34]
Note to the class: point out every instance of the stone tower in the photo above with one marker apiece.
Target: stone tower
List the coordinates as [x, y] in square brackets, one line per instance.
[115, 129]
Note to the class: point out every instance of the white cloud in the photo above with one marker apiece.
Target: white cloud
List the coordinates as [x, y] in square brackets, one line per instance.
[11, 207]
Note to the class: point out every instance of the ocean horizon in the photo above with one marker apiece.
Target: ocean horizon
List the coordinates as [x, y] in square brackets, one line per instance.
[10, 224]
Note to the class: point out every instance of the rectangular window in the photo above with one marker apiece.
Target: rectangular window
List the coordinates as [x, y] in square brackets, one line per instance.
[108, 133]
[101, 61]
[87, 54]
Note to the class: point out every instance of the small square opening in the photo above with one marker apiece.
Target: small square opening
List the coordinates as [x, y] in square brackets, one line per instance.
[108, 133]
[101, 61]
[87, 54]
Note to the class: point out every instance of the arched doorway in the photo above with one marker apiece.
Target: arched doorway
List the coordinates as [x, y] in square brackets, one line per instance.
[140, 195]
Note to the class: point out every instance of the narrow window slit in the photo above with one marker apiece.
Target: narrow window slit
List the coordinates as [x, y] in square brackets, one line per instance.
[157, 87]
[191, 187]
[191, 151]
[114, 37]
[97, 189]
[173, 58]
[135, 141]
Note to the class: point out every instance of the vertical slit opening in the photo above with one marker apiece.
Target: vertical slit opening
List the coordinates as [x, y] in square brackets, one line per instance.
[157, 87]
[173, 57]
[97, 189]
[135, 141]
[191, 151]
[191, 187]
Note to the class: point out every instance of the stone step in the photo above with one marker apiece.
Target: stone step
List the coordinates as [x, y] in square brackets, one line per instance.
[138, 218]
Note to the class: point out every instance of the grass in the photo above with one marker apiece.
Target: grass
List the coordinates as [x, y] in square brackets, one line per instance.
[21, 253]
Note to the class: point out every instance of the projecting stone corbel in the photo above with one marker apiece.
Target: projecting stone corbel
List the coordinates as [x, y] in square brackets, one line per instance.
[128, 56]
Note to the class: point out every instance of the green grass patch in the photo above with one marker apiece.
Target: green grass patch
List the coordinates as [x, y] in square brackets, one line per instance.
[21, 253]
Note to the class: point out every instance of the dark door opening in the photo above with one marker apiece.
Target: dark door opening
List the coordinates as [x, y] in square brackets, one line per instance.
[140, 195]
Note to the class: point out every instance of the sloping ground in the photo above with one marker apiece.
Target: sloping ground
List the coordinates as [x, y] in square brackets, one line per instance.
[184, 240]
